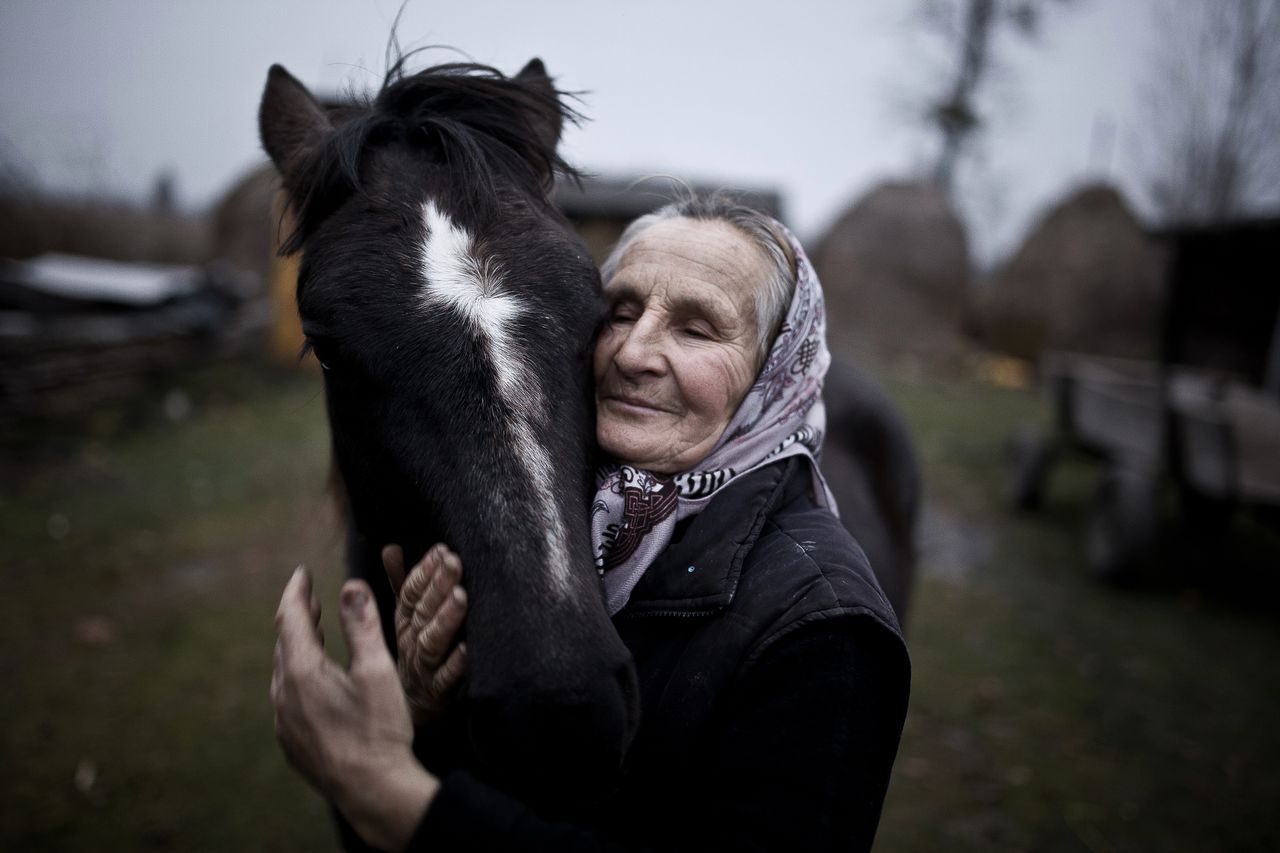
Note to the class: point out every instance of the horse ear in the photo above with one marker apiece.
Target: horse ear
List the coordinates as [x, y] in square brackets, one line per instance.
[291, 122]
[549, 122]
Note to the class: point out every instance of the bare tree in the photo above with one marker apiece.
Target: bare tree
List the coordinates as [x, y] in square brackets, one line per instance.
[970, 27]
[1215, 109]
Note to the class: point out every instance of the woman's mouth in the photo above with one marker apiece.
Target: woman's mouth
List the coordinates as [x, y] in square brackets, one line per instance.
[637, 405]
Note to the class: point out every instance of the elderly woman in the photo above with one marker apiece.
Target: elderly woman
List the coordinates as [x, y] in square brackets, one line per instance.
[772, 671]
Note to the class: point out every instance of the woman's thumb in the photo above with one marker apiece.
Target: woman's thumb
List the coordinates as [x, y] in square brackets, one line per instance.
[361, 626]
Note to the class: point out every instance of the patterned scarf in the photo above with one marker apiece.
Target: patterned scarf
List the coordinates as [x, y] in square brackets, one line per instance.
[636, 511]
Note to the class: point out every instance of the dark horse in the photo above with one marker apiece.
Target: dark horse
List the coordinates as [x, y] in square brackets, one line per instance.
[453, 311]
[871, 466]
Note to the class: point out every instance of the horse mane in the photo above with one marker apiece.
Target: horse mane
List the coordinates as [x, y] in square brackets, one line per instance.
[474, 119]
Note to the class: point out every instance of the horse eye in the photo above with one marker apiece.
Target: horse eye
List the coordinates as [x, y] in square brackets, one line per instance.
[323, 351]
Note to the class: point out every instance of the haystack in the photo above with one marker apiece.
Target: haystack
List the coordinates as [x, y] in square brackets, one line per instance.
[1087, 279]
[895, 269]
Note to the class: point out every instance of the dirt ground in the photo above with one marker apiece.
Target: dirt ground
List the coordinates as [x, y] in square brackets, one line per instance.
[143, 555]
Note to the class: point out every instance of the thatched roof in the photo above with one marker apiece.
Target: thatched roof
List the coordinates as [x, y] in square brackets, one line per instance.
[895, 269]
[1088, 278]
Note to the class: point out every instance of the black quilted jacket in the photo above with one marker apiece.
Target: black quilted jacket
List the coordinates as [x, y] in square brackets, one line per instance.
[774, 684]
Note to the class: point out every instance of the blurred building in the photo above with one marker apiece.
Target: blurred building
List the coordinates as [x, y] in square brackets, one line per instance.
[96, 298]
[601, 207]
[99, 298]
[249, 224]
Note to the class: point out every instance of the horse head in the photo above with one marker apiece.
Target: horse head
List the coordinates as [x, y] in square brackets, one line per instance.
[453, 311]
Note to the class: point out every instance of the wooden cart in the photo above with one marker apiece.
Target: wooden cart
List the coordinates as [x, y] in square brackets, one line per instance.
[1204, 418]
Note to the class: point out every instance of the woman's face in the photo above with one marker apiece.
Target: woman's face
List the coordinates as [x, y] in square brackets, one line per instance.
[678, 352]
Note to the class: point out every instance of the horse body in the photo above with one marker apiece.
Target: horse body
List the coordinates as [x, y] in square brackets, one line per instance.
[453, 311]
[871, 467]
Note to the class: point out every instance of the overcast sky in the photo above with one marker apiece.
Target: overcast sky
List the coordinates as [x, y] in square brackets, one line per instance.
[812, 98]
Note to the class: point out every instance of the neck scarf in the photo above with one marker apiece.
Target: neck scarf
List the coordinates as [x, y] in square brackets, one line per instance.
[635, 511]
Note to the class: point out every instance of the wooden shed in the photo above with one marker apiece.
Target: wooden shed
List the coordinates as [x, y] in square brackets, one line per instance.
[600, 208]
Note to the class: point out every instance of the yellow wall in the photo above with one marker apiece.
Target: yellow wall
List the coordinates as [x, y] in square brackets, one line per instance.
[286, 328]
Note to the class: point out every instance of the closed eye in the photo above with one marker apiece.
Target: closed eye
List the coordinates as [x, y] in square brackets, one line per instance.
[321, 351]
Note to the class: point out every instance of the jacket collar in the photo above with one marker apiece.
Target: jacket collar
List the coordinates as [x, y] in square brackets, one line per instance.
[698, 572]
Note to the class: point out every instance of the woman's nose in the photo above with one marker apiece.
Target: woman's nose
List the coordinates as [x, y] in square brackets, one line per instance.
[640, 350]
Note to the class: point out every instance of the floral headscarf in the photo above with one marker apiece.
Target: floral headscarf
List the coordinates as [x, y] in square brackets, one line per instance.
[636, 511]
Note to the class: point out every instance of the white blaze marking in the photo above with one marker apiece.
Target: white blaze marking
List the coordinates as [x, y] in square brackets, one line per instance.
[457, 279]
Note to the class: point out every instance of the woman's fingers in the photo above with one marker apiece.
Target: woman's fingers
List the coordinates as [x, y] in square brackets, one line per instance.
[393, 563]
[450, 673]
[315, 617]
[411, 591]
[430, 690]
[295, 624]
[443, 580]
[436, 635]
[277, 675]
[430, 610]
[411, 595]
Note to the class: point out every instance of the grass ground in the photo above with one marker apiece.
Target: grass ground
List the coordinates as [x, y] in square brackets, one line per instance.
[141, 566]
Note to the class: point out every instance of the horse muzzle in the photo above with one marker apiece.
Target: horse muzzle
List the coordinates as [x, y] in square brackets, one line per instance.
[558, 741]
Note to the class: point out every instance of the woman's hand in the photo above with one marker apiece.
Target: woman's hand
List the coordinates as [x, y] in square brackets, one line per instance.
[430, 607]
[348, 732]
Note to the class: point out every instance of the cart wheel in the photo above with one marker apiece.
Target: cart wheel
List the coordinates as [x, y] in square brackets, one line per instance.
[1028, 455]
[1122, 525]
